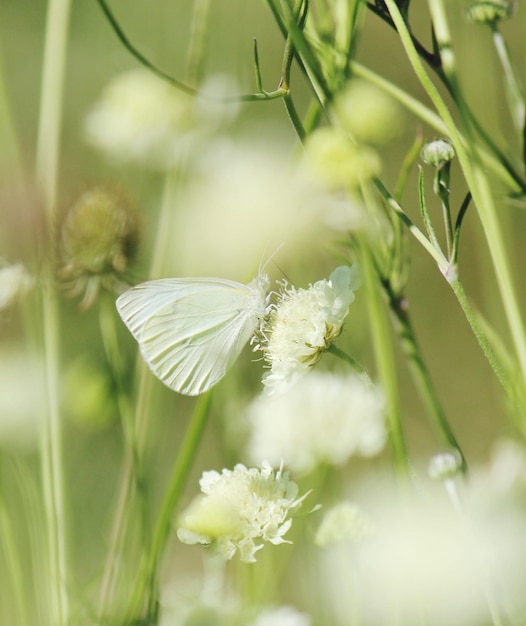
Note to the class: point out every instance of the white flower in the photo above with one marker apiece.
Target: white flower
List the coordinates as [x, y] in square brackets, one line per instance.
[304, 323]
[14, 280]
[342, 521]
[243, 202]
[323, 418]
[427, 562]
[238, 508]
[142, 118]
[282, 616]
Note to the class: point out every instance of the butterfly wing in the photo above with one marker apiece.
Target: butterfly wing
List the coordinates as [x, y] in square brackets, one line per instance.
[190, 331]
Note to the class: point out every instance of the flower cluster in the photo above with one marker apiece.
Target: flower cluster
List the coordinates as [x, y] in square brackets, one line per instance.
[239, 507]
[304, 323]
[322, 418]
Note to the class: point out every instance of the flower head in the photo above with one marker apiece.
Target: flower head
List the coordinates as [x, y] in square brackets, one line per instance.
[141, 118]
[98, 241]
[322, 418]
[304, 323]
[240, 509]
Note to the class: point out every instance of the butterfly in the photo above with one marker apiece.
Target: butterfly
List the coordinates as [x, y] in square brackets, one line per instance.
[191, 330]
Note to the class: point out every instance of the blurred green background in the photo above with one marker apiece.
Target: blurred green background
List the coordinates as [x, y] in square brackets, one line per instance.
[466, 385]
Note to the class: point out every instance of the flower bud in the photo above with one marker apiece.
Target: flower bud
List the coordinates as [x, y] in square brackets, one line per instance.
[98, 241]
[490, 11]
[445, 465]
[437, 153]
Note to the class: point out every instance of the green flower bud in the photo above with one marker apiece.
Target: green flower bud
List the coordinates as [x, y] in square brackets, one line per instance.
[98, 241]
[437, 153]
[490, 11]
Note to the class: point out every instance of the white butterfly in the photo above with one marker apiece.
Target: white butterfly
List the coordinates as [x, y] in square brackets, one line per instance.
[191, 330]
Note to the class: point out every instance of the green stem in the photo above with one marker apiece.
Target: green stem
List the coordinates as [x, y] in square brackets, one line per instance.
[419, 371]
[347, 358]
[435, 253]
[47, 158]
[483, 342]
[148, 575]
[470, 162]
[385, 358]
[513, 89]
[198, 39]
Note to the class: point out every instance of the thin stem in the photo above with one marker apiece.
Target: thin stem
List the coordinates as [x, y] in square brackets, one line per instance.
[513, 89]
[413, 229]
[347, 358]
[253, 97]
[47, 158]
[194, 62]
[419, 370]
[483, 342]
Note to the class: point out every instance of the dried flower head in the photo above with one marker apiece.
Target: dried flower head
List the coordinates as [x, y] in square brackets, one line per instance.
[98, 241]
[239, 510]
[304, 323]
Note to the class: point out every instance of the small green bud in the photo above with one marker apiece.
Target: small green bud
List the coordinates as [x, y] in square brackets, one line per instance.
[490, 11]
[98, 241]
[437, 153]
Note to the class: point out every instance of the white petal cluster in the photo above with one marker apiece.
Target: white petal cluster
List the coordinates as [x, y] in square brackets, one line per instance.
[323, 418]
[428, 561]
[141, 118]
[240, 509]
[304, 323]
